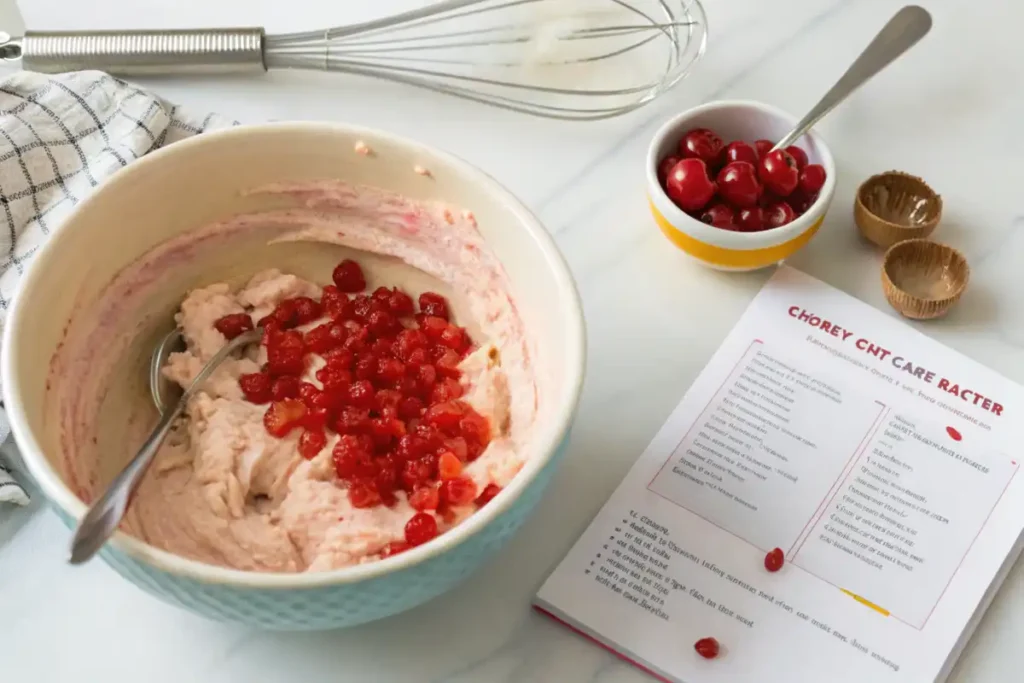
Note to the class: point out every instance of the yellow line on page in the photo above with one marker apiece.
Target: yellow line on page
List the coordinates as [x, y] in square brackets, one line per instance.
[867, 603]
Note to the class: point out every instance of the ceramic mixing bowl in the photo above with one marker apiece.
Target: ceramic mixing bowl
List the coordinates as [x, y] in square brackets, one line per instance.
[726, 249]
[192, 183]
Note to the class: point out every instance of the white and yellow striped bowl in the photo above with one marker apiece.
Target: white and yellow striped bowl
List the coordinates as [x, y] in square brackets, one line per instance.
[724, 249]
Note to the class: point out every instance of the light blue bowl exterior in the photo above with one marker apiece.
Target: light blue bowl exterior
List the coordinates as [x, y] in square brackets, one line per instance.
[342, 605]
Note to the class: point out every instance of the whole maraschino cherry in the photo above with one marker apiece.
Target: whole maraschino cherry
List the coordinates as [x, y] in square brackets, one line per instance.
[701, 143]
[689, 186]
[740, 186]
[779, 172]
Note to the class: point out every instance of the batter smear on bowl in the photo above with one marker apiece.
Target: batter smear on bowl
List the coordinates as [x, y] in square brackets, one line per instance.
[367, 421]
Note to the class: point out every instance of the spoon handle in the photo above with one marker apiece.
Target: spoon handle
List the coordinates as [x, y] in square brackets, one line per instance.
[906, 27]
[104, 515]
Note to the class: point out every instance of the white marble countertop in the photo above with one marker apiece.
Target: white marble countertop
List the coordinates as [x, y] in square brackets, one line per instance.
[948, 111]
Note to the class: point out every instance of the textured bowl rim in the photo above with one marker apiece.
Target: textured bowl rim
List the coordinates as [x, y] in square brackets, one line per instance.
[728, 239]
[57, 492]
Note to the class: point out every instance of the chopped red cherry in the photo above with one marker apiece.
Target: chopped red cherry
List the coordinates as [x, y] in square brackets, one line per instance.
[283, 416]
[400, 303]
[421, 528]
[489, 492]
[311, 442]
[306, 310]
[285, 387]
[394, 548]
[738, 184]
[779, 214]
[433, 304]
[363, 494]
[707, 648]
[425, 498]
[348, 276]
[448, 466]
[774, 560]
[779, 172]
[458, 491]
[718, 216]
[233, 324]
[702, 144]
[740, 151]
[812, 179]
[689, 186]
[256, 387]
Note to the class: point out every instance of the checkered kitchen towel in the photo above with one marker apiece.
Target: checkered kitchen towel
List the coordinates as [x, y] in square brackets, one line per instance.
[60, 137]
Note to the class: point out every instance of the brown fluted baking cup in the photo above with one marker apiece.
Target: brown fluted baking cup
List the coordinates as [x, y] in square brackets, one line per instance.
[894, 206]
[924, 279]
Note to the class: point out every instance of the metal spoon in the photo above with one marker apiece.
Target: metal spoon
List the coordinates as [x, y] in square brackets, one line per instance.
[907, 26]
[164, 391]
[104, 515]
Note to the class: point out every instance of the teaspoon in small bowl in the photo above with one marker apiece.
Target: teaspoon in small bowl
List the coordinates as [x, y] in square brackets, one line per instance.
[105, 514]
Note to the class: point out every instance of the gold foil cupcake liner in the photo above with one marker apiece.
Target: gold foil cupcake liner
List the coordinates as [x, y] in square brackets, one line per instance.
[894, 206]
[923, 279]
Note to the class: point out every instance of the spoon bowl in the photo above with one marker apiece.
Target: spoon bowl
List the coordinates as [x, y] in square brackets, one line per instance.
[164, 391]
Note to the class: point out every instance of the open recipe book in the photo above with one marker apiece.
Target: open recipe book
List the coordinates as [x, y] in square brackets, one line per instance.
[883, 464]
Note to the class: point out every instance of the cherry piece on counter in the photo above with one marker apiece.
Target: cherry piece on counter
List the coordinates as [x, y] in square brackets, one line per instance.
[707, 648]
[420, 528]
[718, 216]
[774, 560]
[702, 144]
[740, 151]
[664, 166]
[762, 147]
[812, 179]
[689, 186]
[779, 214]
[750, 219]
[233, 324]
[738, 184]
[348, 276]
[779, 173]
[799, 156]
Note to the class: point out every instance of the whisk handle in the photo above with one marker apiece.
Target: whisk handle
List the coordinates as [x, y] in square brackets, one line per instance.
[141, 53]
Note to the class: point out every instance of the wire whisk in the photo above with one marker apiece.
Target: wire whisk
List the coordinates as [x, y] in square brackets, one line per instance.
[563, 59]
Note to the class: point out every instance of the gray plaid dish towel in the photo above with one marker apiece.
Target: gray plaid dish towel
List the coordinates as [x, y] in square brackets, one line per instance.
[60, 137]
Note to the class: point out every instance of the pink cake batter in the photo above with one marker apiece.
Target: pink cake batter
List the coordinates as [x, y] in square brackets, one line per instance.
[225, 491]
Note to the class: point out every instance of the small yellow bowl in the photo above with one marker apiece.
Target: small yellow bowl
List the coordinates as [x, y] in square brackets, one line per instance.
[724, 249]
[923, 279]
[894, 206]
